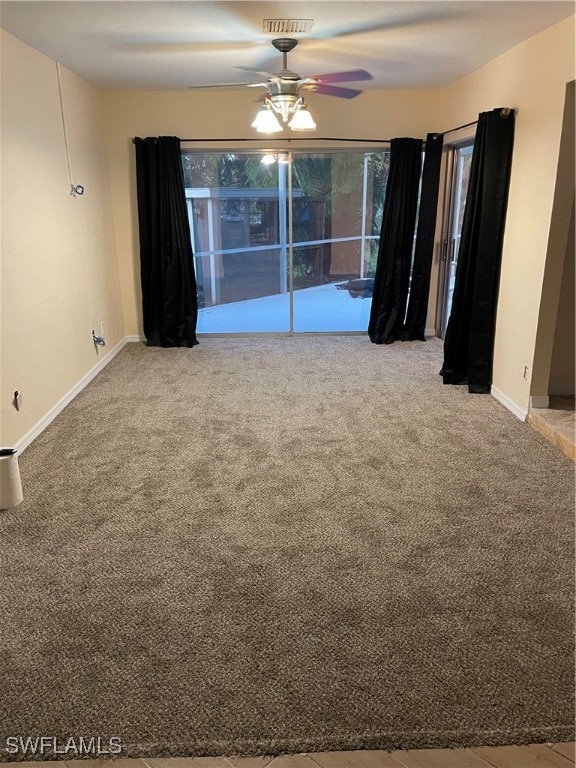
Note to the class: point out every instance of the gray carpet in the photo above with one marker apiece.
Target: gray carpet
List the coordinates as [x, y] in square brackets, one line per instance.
[287, 544]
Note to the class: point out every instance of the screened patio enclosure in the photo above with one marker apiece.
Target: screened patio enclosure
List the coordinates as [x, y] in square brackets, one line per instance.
[288, 245]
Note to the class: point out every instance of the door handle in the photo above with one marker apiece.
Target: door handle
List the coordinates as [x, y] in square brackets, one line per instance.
[444, 250]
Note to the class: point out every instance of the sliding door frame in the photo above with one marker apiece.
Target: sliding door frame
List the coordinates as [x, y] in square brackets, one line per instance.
[286, 169]
[452, 187]
[447, 208]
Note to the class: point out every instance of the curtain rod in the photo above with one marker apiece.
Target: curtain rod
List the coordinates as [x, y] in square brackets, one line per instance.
[459, 128]
[504, 112]
[299, 138]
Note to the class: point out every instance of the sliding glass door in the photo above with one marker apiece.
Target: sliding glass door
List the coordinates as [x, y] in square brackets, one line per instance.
[336, 218]
[239, 241]
[284, 243]
[460, 160]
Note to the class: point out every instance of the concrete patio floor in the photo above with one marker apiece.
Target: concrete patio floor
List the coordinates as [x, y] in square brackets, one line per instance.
[322, 308]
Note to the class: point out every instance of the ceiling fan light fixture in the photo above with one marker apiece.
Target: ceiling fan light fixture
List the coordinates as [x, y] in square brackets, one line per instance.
[284, 104]
[302, 120]
[266, 121]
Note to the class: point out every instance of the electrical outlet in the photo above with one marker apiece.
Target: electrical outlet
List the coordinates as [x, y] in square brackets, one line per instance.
[99, 341]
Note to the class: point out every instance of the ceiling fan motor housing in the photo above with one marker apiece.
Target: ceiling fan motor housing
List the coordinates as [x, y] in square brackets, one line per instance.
[288, 86]
[284, 44]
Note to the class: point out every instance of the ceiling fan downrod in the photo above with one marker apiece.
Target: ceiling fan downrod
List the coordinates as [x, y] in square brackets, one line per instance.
[284, 45]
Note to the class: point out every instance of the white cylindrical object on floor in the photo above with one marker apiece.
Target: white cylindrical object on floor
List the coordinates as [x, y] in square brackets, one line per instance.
[10, 484]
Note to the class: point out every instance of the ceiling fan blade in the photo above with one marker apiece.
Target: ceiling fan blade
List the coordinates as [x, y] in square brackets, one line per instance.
[334, 90]
[257, 71]
[343, 77]
[220, 85]
[383, 20]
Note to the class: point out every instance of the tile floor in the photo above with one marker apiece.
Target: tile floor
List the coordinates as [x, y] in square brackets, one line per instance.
[531, 756]
[557, 424]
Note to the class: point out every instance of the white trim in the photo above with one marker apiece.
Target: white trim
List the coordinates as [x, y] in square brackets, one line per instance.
[41, 425]
[513, 407]
[134, 338]
[539, 401]
[430, 332]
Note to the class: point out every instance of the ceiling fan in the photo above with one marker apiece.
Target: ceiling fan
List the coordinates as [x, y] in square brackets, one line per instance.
[283, 97]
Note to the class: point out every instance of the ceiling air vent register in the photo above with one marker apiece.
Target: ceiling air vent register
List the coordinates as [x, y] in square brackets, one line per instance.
[287, 26]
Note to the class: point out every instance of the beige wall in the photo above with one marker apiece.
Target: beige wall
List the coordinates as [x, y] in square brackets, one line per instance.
[532, 78]
[59, 274]
[374, 114]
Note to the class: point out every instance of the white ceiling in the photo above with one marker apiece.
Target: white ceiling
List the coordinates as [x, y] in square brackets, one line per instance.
[172, 45]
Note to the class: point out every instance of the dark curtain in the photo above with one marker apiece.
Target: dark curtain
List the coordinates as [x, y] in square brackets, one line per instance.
[396, 242]
[424, 249]
[469, 343]
[169, 300]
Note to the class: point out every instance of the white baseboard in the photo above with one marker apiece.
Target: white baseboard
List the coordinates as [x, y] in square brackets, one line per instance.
[41, 425]
[513, 407]
[430, 332]
[539, 401]
[135, 338]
